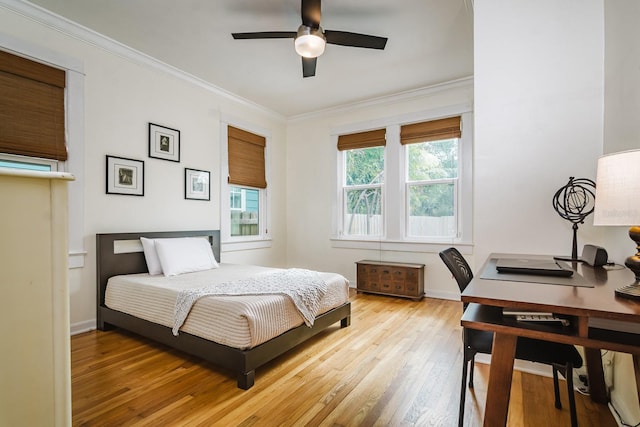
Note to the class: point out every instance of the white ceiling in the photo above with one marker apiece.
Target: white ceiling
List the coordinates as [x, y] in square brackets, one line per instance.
[430, 42]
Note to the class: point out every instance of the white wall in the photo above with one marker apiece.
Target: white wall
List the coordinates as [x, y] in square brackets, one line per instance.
[121, 96]
[542, 115]
[311, 164]
[538, 113]
[622, 132]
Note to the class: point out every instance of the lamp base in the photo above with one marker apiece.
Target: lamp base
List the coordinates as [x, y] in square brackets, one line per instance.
[633, 262]
[631, 291]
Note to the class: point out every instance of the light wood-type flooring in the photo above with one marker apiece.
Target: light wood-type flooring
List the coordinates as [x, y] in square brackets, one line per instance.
[398, 364]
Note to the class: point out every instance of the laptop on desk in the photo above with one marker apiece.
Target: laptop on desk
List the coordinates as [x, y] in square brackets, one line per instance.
[544, 267]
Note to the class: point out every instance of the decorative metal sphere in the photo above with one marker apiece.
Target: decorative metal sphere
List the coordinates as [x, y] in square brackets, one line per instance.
[576, 200]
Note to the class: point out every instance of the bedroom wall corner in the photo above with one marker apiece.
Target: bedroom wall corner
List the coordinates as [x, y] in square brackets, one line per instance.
[311, 184]
[123, 93]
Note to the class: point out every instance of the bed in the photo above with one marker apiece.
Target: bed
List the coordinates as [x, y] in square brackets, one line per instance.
[121, 254]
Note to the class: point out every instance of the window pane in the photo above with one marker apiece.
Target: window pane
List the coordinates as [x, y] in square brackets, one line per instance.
[363, 212]
[364, 166]
[24, 165]
[431, 210]
[245, 204]
[433, 160]
[236, 198]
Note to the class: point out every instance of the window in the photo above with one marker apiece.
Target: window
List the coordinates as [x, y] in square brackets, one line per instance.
[412, 186]
[431, 164]
[71, 133]
[246, 192]
[245, 211]
[362, 198]
[27, 163]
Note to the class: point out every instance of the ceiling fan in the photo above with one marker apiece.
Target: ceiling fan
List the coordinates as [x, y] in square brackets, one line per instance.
[310, 39]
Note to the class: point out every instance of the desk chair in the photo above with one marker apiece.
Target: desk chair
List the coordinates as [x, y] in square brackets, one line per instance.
[562, 357]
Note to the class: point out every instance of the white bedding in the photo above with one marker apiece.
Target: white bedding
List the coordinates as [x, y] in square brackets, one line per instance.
[236, 321]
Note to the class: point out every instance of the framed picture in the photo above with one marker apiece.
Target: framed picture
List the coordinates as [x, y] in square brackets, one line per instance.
[125, 176]
[196, 184]
[164, 143]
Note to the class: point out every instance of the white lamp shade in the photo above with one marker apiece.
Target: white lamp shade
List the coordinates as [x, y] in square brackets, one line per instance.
[618, 189]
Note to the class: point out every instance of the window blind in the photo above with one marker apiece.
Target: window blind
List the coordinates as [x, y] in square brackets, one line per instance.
[31, 108]
[372, 138]
[246, 158]
[432, 130]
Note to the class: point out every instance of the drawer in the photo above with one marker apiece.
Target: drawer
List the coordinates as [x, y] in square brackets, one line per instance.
[398, 287]
[370, 269]
[411, 288]
[363, 283]
[399, 273]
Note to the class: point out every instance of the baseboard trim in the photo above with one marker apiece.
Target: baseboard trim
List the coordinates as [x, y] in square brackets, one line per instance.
[80, 327]
[521, 365]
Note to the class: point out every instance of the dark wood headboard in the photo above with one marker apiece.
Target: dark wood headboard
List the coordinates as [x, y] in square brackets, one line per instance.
[111, 262]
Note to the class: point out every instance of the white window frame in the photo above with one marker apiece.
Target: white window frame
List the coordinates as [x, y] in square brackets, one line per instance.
[343, 191]
[457, 196]
[243, 199]
[37, 161]
[238, 243]
[394, 187]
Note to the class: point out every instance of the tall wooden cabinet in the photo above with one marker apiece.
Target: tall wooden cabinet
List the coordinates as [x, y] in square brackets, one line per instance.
[35, 363]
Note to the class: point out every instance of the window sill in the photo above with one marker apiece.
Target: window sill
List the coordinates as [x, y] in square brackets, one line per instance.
[401, 246]
[231, 246]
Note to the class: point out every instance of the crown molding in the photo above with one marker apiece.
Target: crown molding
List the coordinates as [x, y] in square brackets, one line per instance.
[386, 99]
[72, 29]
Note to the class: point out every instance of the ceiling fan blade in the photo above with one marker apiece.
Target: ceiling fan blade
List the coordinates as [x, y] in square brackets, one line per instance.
[310, 12]
[345, 38]
[265, 35]
[309, 66]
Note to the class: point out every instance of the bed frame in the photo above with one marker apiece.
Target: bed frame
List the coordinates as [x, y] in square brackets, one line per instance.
[121, 253]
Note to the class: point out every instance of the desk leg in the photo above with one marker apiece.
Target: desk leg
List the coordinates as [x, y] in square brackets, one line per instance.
[636, 368]
[500, 375]
[595, 372]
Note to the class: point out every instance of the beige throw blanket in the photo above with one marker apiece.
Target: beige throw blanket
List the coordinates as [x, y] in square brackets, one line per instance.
[304, 287]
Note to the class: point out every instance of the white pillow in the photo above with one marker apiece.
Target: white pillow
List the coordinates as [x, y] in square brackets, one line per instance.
[185, 255]
[151, 256]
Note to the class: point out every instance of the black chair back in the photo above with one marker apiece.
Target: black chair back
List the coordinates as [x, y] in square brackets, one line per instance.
[458, 267]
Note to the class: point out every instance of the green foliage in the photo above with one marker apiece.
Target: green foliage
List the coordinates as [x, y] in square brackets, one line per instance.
[365, 166]
[431, 200]
[433, 160]
[427, 161]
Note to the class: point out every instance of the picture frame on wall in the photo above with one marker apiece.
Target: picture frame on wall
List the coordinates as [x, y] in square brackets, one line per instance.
[125, 176]
[164, 143]
[197, 184]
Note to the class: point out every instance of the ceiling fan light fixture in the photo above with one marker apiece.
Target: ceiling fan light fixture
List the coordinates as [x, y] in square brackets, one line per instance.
[309, 42]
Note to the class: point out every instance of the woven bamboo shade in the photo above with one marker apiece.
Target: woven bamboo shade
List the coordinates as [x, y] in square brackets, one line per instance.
[432, 130]
[31, 108]
[372, 138]
[246, 158]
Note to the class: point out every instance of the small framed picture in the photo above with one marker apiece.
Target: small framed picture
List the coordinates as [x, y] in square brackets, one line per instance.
[164, 143]
[125, 176]
[196, 184]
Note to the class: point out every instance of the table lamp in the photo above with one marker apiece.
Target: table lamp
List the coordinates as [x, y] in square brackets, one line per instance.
[618, 203]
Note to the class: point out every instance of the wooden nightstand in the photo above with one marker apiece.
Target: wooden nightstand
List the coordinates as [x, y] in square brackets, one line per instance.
[391, 278]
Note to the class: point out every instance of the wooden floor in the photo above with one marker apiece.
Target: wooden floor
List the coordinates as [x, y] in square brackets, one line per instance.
[398, 364]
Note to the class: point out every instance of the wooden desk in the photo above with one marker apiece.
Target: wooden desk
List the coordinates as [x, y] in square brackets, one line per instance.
[579, 303]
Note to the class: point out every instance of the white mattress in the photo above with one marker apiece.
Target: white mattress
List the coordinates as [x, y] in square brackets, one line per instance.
[236, 321]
